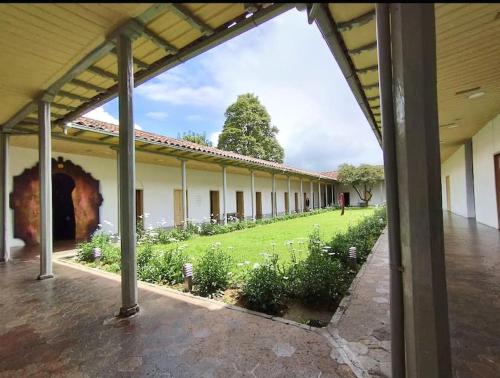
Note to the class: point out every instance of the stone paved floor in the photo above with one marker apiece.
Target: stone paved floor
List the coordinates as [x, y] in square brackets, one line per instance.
[65, 327]
[362, 330]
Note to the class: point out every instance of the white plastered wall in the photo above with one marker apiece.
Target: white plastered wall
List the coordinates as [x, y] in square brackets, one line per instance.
[158, 184]
[485, 145]
[454, 167]
[378, 194]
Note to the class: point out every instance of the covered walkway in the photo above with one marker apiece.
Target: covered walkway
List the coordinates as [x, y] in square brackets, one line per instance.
[473, 279]
[65, 327]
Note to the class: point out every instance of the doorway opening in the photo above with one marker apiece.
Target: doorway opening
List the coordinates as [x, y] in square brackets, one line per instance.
[497, 184]
[347, 199]
[448, 194]
[240, 206]
[258, 205]
[139, 206]
[296, 202]
[214, 206]
[63, 210]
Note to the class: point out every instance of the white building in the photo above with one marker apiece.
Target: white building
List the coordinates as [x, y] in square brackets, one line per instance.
[470, 176]
[85, 190]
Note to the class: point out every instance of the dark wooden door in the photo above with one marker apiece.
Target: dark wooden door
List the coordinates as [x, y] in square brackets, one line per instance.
[214, 205]
[258, 203]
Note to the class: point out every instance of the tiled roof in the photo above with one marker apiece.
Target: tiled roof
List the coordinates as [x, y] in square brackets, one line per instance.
[184, 144]
[331, 174]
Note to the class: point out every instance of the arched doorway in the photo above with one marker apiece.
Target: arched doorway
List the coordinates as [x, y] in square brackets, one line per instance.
[76, 201]
[63, 211]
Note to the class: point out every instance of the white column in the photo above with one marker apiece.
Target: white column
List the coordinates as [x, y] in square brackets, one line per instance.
[224, 193]
[252, 193]
[118, 189]
[333, 195]
[319, 194]
[289, 195]
[311, 195]
[45, 166]
[184, 193]
[127, 178]
[301, 197]
[275, 206]
[4, 195]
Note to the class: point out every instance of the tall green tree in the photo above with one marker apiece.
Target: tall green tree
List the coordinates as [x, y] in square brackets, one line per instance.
[248, 130]
[200, 138]
[361, 178]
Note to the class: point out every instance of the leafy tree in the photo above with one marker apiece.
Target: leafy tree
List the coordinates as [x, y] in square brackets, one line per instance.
[200, 138]
[248, 131]
[361, 178]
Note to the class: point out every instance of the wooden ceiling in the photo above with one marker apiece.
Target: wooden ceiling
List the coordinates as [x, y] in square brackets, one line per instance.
[468, 55]
[68, 50]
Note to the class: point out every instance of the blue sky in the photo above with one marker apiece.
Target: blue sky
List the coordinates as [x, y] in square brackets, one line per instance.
[287, 64]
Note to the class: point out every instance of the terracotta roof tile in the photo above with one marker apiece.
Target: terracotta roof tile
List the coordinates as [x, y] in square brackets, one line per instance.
[172, 142]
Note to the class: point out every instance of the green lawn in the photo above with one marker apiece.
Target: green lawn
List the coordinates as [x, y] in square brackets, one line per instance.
[248, 244]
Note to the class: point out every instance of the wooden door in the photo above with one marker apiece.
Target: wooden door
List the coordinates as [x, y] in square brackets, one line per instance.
[240, 206]
[139, 205]
[178, 213]
[497, 182]
[258, 205]
[287, 207]
[214, 205]
[297, 202]
[448, 193]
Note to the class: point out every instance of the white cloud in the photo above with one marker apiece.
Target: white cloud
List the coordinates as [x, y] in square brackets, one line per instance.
[194, 118]
[100, 114]
[288, 65]
[157, 115]
[178, 89]
[214, 138]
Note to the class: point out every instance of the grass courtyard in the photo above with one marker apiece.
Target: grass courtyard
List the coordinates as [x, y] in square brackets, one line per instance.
[249, 244]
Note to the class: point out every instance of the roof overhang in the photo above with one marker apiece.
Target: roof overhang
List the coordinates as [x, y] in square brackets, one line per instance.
[66, 52]
[468, 50]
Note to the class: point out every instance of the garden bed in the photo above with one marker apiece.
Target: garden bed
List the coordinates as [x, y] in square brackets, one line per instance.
[305, 285]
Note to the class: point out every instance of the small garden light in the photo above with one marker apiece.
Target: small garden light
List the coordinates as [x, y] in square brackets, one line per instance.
[97, 254]
[352, 257]
[187, 272]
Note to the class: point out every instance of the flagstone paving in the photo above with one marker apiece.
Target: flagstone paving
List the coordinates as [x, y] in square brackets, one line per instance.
[65, 327]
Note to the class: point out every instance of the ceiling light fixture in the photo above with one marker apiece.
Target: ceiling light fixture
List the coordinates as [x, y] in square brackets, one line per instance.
[475, 95]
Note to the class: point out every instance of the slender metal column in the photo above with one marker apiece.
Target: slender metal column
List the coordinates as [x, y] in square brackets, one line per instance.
[45, 166]
[252, 194]
[184, 193]
[391, 180]
[224, 193]
[4, 207]
[301, 197]
[416, 135]
[127, 177]
[289, 194]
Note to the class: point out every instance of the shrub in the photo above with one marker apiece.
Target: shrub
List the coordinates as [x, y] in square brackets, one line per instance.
[321, 279]
[265, 287]
[362, 236]
[85, 250]
[211, 273]
[163, 266]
